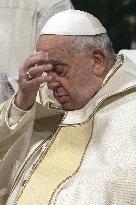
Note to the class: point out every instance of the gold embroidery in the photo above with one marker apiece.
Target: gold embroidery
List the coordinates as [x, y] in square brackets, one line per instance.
[64, 181]
[84, 142]
[118, 64]
[53, 136]
[88, 142]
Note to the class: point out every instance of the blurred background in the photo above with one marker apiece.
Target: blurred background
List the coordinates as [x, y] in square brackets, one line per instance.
[118, 17]
[22, 20]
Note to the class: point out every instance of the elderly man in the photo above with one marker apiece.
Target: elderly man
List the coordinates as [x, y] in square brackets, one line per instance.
[81, 150]
[20, 24]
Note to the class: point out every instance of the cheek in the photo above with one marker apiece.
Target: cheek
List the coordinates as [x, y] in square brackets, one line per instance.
[75, 91]
[80, 88]
[78, 84]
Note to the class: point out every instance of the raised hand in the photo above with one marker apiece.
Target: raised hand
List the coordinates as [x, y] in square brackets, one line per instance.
[30, 78]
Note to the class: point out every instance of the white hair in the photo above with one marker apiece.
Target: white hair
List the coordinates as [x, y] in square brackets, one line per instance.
[87, 43]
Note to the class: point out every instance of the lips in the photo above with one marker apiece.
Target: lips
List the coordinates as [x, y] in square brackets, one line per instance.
[62, 98]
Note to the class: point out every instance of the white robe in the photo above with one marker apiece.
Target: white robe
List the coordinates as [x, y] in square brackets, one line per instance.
[107, 174]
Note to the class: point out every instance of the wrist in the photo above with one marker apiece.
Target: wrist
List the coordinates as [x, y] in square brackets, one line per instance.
[24, 101]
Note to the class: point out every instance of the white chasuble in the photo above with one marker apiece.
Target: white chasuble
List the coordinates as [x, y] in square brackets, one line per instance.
[62, 159]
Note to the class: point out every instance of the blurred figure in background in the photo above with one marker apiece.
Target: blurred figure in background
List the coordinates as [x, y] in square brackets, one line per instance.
[84, 151]
[20, 23]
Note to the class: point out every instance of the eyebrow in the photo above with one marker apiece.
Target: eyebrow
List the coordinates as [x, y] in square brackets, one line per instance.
[56, 62]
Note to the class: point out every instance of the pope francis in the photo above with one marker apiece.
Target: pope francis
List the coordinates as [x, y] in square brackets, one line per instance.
[79, 148]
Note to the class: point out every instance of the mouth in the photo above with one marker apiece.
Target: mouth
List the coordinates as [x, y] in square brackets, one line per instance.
[62, 98]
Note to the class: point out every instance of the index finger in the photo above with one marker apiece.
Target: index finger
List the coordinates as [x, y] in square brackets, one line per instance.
[38, 58]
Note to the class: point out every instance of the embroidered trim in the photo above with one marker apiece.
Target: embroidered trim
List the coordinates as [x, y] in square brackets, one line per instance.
[43, 154]
[118, 64]
[53, 196]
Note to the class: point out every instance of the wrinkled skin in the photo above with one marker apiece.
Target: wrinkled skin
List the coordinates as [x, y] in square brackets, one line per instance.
[74, 76]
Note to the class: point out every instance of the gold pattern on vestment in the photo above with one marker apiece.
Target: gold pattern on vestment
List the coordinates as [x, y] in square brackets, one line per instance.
[61, 160]
[47, 164]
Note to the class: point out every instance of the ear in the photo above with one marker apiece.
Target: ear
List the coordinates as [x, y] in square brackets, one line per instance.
[100, 62]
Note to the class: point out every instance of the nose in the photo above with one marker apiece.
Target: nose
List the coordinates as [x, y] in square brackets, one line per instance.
[54, 83]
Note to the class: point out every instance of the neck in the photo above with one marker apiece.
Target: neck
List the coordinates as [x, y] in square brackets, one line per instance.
[112, 61]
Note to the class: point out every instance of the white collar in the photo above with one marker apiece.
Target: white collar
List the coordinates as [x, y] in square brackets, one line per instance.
[80, 116]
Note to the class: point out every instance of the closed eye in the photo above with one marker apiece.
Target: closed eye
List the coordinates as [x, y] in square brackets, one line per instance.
[60, 70]
[59, 67]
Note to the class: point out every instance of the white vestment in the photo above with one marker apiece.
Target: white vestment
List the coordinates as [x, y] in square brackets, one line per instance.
[107, 174]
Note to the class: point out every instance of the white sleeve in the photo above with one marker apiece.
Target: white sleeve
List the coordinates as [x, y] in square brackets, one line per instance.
[12, 119]
[15, 114]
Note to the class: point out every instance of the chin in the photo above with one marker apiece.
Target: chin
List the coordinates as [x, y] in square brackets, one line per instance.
[70, 107]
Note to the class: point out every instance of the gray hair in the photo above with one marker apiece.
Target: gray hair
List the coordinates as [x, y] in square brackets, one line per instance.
[87, 43]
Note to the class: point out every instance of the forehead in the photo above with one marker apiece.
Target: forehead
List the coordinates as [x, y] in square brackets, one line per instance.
[54, 45]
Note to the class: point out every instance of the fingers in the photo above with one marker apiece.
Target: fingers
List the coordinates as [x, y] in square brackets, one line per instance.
[42, 79]
[38, 70]
[30, 78]
[35, 65]
[30, 75]
[37, 58]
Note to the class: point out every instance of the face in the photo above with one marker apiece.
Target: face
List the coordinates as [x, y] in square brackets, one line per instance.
[73, 81]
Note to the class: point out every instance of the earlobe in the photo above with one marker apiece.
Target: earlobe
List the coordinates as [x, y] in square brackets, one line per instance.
[100, 62]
